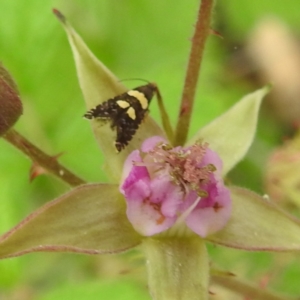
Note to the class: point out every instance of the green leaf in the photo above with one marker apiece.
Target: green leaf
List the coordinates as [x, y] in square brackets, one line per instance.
[98, 84]
[258, 224]
[231, 134]
[89, 219]
[178, 268]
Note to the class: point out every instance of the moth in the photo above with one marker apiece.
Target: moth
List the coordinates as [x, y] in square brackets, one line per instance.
[125, 112]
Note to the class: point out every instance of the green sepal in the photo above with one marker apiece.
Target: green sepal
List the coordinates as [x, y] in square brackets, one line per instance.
[89, 219]
[232, 133]
[257, 224]
[178, 268]
[98, 84]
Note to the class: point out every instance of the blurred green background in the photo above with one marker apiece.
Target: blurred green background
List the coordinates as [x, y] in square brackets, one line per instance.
[135, 39]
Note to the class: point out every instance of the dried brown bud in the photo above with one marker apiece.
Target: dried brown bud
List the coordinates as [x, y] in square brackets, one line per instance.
[10, 103]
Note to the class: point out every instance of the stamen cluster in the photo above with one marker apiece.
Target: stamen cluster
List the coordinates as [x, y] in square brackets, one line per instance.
[183, 165]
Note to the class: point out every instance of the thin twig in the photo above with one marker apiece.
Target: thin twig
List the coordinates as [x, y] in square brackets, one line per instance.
[202, 30]
[246, 289]
[47, 162]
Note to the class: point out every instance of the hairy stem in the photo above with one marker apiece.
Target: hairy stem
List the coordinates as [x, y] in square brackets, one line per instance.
[49, 163]
[202, 30]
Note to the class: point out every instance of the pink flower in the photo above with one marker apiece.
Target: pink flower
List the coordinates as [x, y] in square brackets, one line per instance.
[163, 185]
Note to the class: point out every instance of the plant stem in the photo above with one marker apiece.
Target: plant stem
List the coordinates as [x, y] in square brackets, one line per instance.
[243, 288]
[47, 162]
[202, 30]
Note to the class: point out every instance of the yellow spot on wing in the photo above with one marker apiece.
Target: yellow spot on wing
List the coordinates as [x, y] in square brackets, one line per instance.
[131, 113]
[140, 97]
[123, 103]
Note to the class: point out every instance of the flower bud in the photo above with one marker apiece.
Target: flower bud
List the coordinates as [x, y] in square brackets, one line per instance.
[10, 103]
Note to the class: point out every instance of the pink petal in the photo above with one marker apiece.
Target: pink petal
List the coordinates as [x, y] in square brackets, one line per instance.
[150, 143]
[212, 157]
[208, 220]
[166, 193]
[128, 164]
[146, 219]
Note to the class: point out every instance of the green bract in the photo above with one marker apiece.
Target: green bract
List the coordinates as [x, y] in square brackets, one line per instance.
[231, 134]
[98, 84]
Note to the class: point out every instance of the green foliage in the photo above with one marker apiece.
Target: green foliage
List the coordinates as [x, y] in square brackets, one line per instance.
[117, 289]
[136, 39]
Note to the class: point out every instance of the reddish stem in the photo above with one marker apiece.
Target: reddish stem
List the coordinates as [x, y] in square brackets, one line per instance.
[202, 30]
[49, 163]
[245, 289]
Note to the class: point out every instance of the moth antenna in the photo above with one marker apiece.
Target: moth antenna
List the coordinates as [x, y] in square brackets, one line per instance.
[128, 79]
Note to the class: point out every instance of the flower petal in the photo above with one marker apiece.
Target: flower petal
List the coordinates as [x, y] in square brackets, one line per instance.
[151, 142]
[165, 193]
[257, 224]
[206, 220]
[90, 219]
[147, 209]
[133, 178]
[146, 219]
[211, 157]
[231, 134]
[98, 84]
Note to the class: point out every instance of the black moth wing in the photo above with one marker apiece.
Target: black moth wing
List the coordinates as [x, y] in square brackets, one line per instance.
[106, 111]
[125, 123]
[125, 112]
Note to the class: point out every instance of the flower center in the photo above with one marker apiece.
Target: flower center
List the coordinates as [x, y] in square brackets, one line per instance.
[184, 166]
